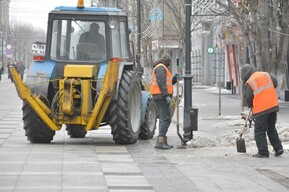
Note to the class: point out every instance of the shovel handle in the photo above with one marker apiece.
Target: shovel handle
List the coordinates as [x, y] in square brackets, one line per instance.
[178, 111]
[177, 101]
[247, 117]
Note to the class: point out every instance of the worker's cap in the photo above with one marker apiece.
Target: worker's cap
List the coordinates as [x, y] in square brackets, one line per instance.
[246, 71]
[166, 58]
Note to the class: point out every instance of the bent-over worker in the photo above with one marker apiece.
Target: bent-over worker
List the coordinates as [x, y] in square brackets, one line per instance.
[261, 96]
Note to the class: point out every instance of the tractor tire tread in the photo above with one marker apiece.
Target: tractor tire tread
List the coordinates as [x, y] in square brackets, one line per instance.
[119, 112]
[76, 131]
[146, 132]
[35, 129]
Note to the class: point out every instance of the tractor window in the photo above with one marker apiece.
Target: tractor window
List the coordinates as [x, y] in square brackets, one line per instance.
[73, 40]
[116, 51]
[120, 41]
[91, 44]
[123, 35]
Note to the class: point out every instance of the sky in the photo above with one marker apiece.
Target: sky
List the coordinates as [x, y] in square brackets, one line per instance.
[36, 12]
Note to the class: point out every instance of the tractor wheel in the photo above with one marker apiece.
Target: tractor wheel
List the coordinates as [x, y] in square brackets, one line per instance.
[125, 111]
[148, 127]
[76, 131]
[35, 129]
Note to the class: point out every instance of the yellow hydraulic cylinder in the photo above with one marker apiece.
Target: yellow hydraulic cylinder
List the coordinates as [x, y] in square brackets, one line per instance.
[34, 102]
[67, 102]
[105, 95]
[87, 104]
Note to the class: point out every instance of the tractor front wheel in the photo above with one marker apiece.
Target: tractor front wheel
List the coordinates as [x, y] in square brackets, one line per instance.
[35, 129]
[125, 111]
[148, 127]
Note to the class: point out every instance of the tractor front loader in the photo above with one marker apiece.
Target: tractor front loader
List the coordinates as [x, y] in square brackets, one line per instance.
[84, 85]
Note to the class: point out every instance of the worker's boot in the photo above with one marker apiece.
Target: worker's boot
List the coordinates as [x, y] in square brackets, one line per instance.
[160, 143]
[166, 142]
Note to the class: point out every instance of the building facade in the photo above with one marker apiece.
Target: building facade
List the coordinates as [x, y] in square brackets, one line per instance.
[4, 16]
[4, 27]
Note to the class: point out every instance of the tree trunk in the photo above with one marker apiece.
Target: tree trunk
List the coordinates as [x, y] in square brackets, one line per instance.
[264, 37]
[274, 36]
[282, 53]
[250, 47]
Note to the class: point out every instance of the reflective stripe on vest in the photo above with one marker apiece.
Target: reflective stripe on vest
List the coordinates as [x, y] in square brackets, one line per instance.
[265, 96]
[169, 81]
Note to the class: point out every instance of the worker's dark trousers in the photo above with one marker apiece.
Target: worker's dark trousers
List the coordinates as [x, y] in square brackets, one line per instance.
[266, 124]
[164, 116]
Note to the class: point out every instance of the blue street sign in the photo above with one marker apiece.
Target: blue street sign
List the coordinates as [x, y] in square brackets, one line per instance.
[156, 15]
[8, 52]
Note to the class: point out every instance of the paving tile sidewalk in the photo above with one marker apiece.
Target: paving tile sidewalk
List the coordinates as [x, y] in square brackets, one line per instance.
[213, 163]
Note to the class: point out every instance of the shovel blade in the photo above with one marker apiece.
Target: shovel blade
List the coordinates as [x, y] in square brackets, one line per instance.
[241, 147]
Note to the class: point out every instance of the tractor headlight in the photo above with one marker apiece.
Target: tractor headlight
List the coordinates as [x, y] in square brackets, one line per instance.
[112, 24]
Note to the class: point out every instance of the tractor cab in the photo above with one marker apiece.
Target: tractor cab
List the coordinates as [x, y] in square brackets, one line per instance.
[84, 77]
[89, 35]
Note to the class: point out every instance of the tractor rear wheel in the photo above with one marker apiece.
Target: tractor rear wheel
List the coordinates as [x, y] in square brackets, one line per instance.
[125, 111]
[76, 131]
[148, 127]
[35, 129]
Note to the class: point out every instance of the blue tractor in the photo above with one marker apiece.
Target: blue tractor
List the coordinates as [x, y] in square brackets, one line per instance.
[84, 77]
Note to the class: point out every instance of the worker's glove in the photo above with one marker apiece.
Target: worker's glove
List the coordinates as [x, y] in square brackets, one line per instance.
[178, 76]
[168, 99]
[252, 117]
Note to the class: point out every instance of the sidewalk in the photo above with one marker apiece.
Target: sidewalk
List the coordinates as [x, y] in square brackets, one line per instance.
[96, 163]
[10, 110]
[212, 162]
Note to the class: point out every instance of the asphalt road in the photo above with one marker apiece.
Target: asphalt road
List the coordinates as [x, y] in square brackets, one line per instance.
[96, 163]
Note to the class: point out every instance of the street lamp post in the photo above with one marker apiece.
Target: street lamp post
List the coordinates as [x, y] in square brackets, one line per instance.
[15, 49]
[190, 114]
[19, 54]
[138, 27]
[2, 48]
[24, 56]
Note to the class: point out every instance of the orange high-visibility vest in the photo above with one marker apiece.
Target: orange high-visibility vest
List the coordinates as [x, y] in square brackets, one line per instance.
[265, 96]
[169, 80]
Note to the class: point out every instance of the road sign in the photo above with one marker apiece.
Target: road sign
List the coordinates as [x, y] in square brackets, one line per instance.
[156, 15]
[8, 52]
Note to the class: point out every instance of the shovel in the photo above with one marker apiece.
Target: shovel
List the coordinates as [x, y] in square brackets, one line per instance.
[240, 142]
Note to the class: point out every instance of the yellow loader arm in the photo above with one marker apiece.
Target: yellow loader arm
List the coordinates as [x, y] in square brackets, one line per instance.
[34, 102]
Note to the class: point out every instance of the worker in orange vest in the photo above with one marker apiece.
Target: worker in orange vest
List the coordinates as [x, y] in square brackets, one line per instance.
[162, 91]
[261, 96]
